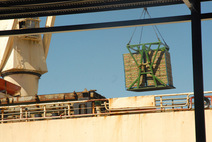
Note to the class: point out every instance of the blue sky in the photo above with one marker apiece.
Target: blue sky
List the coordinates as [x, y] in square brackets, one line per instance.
[93, 59]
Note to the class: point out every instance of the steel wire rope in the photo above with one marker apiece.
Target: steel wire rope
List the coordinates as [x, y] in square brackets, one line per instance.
[156, 30]
[135, 27]
[155, 27]
[142, 28]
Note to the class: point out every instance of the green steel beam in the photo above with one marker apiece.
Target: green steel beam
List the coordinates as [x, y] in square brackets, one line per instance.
[143, 50]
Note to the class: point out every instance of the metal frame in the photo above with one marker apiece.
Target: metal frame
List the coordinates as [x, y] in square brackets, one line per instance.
[106, 25]
[198, 70]
[145, 62]
[196, 44]
[10, 9]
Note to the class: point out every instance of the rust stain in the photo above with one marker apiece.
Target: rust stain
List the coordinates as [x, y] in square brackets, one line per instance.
[51, 97]
[135, 98]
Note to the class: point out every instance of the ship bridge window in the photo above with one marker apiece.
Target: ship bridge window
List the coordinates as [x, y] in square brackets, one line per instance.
[29, 23]
[22, 25]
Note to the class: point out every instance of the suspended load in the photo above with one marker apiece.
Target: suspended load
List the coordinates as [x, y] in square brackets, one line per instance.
[147, 67]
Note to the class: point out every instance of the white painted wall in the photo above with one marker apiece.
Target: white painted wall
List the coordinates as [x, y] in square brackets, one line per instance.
[136, 101]
[147, 127]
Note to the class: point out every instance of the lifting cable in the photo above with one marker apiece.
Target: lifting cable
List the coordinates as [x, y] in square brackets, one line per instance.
[142, 28]
[136, 26]
[143, 14]
[155, 27]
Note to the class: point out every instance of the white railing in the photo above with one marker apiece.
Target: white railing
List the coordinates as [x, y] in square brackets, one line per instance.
[55, 110]
[182, 101]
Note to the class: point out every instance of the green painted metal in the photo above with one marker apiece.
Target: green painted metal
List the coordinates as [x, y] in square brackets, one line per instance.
[145, 61]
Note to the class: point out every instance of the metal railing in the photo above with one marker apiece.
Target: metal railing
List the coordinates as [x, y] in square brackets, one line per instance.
[55, 110]
[182, 101]
[92, 108]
